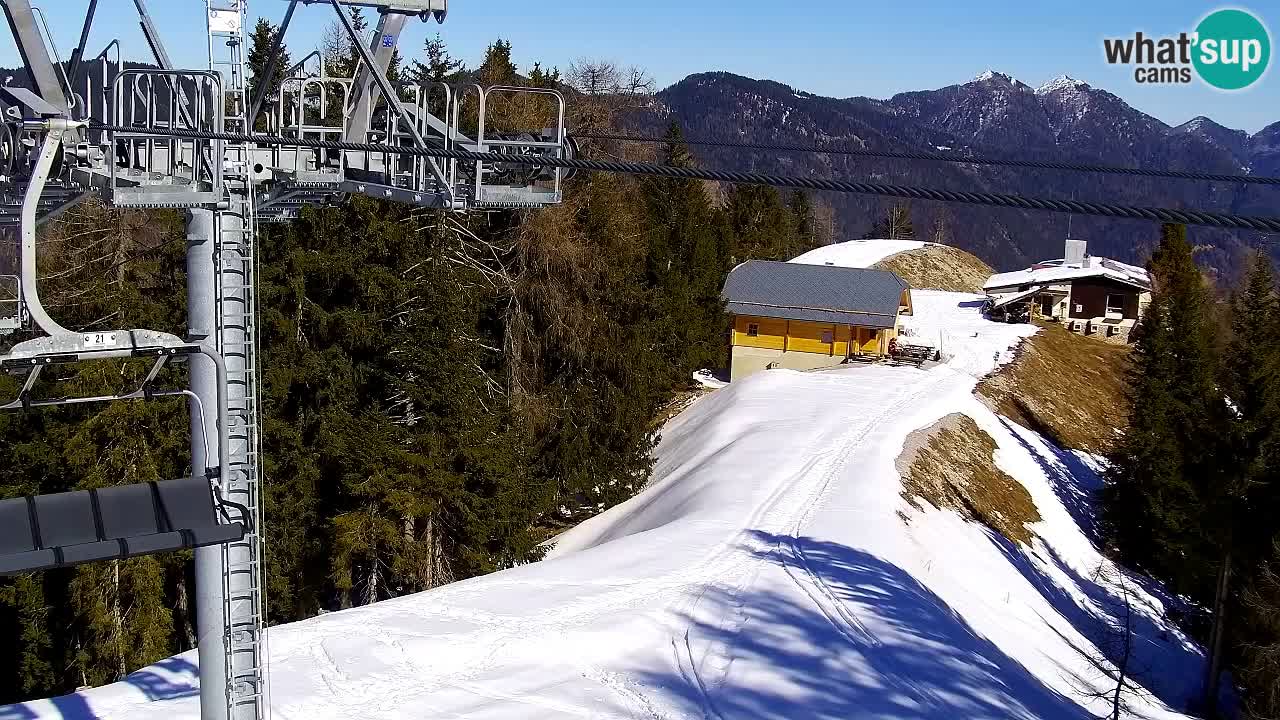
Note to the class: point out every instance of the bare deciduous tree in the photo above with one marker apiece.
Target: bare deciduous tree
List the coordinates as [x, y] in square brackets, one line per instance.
[335, 46]
[825, 228]
[608, 89]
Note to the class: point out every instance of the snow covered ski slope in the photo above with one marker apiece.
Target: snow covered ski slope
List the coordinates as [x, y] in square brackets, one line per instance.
[771, 570]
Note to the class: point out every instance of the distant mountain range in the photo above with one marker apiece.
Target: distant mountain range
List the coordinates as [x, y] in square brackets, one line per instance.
[993, 115]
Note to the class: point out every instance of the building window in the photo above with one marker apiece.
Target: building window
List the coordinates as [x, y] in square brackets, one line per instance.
[753, 330]
[1079, 308]
[828, 336]
[1115, 304]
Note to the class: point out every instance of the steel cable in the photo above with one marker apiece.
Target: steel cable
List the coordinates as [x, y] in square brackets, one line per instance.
[1156, 214]
[936, 157]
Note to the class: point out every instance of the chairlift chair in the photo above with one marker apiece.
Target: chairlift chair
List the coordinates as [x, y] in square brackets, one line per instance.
[71, 528]
[64, 529]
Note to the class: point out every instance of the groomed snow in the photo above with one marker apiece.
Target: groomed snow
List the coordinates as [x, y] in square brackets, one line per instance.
[856, 253]
[771, 570]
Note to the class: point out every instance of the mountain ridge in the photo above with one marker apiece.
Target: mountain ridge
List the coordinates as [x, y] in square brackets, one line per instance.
[994, 115]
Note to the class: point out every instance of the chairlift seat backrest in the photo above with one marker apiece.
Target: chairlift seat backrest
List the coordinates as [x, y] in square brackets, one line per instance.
[64, 529]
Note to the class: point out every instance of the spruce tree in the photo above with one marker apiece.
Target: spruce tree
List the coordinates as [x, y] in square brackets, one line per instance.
[806, 235]
[1168, 468]
[763, 227]
[1252, 382]
[686, 264]
[1174, 495]
[540, 78]
[497, 67]
[440, 66]
[32, 634]
[260, 42]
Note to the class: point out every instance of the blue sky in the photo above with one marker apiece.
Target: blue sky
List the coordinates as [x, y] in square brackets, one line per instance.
[839, 48]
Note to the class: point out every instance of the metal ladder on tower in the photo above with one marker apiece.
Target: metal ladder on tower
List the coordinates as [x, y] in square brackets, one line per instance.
[237, 340]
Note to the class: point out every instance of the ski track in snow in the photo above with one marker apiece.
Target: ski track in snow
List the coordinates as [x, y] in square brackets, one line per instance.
[676, 603]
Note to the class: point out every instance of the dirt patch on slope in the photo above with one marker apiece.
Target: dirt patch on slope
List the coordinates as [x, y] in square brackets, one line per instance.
[939, 267]
[1069, 388]
[678, 404]
[952, 465]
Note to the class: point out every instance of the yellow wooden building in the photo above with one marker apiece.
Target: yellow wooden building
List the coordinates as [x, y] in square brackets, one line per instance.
[806, 317]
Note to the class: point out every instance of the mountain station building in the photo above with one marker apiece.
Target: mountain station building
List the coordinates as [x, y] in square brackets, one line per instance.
[1093, 296]
[806, 317]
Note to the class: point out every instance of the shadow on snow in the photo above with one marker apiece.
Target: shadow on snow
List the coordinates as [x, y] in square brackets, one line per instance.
[182, 680]
[927, 663]
[1074, 482]
[1164, 659]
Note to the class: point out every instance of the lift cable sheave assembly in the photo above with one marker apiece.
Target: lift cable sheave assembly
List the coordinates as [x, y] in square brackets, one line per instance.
[1154, 214]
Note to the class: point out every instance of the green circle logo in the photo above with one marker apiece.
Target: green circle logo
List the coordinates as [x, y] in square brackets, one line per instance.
[1232, 49]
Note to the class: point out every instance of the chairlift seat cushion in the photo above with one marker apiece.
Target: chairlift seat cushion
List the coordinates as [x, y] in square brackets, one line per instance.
[63, 529]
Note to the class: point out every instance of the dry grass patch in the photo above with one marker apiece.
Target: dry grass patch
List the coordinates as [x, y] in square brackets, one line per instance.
[952, 465]
[939, 267]
[678, 404]
[1069, 388]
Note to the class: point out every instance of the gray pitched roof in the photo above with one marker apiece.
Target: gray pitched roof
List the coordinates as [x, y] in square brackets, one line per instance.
[817, 293]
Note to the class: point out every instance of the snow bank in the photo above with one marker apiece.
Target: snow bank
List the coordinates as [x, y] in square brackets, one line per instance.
[856, 253]
[771, 570]
[707, 379]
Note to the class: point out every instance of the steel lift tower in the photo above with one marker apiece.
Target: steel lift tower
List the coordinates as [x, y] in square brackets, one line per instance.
[55, 149]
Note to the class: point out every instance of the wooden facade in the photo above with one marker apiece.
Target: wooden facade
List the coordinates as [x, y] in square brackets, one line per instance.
[762, 342]
[1091, 298]
[839, 341]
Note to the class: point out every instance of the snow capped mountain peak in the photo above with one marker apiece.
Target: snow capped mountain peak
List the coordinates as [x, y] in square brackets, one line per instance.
[1197, 123]
[992, 75]
[1062, 83]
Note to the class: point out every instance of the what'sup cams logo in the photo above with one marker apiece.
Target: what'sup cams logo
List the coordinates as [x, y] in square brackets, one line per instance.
[1229, 50]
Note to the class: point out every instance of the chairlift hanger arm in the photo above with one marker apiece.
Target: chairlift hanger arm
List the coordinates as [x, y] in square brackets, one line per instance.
[152, 37]
[35, 355]
[366, 84]
[51, 146]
